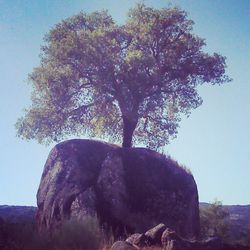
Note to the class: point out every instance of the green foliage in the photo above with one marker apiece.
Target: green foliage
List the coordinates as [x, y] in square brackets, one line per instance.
[98, 78]
[214, 221]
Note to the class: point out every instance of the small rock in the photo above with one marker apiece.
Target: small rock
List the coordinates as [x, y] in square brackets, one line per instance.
[137, 239]
[122, 245]
[168, 235]
[155, 233]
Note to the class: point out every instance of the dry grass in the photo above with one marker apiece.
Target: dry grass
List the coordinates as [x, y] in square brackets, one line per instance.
[73, 235]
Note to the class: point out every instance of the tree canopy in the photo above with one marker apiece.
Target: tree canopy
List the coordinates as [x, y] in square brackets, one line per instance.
[134, 80]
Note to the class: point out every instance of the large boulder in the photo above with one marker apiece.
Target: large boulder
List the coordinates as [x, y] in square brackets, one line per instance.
[129, 189]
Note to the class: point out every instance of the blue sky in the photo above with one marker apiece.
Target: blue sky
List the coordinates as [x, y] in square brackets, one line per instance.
[214, 142]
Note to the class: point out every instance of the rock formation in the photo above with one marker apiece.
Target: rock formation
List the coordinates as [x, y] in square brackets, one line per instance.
[162, 238]
[129, 189]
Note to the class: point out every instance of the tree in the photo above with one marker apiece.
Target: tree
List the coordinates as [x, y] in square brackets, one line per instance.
[214, 220]
[119, 81]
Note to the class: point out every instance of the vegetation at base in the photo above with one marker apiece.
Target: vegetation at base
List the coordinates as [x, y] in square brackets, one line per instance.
[87, 235]
[214, 221]
[230, 223]
[72, 235]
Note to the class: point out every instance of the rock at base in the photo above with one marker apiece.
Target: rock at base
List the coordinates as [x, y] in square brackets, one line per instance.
[154, 234]
[168, 239]
[122, 245]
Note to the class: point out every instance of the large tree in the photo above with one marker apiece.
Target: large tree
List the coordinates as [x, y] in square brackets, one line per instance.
[130, 81]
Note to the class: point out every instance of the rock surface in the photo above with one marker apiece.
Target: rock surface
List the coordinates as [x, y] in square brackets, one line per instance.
[128, 189]
[122, 245]
[68, 181]
[137, 239]
[154, 234]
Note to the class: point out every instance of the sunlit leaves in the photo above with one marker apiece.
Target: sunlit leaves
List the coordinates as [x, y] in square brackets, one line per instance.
[95, 74]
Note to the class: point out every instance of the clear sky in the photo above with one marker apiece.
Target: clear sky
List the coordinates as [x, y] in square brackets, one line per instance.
[214, 142]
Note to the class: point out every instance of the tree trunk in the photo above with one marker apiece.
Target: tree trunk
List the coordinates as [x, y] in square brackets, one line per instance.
[129, 126]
